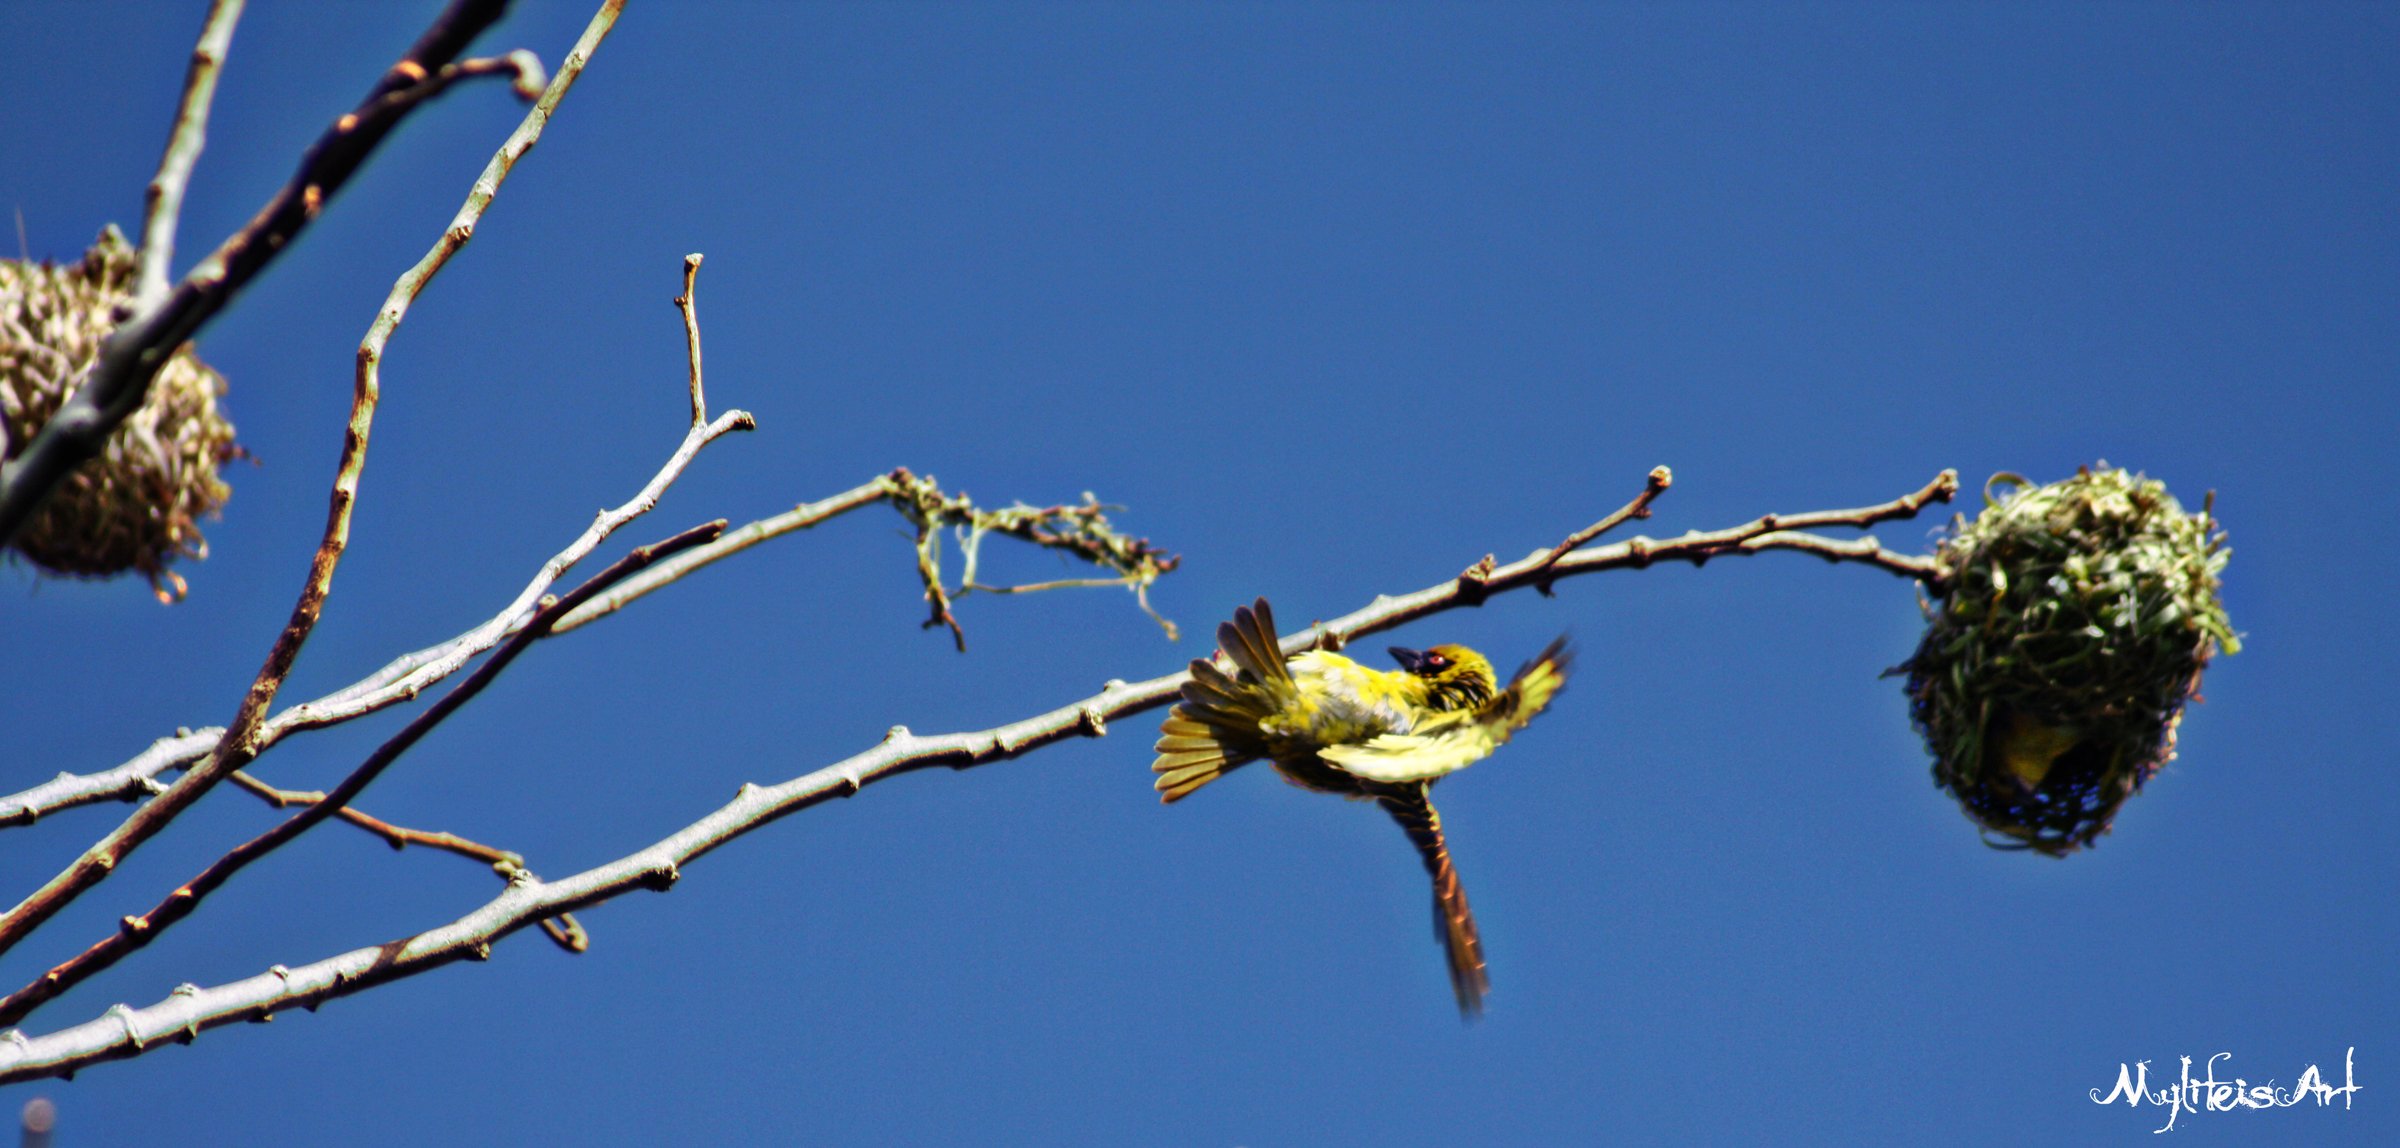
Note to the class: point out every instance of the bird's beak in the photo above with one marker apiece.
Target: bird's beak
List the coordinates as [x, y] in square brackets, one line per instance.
[1409, 659]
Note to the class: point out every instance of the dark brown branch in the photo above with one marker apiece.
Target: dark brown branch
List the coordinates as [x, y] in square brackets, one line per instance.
[128, 1031]
[563, 929]
[135, 932]
[133, 354]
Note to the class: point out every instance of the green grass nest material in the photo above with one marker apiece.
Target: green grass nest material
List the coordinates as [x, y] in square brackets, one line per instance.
[2072, 624]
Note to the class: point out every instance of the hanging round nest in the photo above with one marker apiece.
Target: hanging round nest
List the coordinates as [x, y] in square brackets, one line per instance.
[137, 506]
[2071, 625]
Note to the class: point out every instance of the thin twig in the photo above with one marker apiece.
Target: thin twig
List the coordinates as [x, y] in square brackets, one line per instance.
[689, 304]
[1134, 582]
[1038, 587]
[163, 206]
[132, 355]
[135, 932]
[1660, 479]
[741, 538]
[330, 161]
[563, 929]
[125, 1031]
[523, 68]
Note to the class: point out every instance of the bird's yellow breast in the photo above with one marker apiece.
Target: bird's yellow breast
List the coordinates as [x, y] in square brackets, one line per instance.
[1340, 702]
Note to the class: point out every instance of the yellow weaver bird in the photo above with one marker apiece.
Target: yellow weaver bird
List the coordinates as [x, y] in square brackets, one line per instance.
[1332, 725]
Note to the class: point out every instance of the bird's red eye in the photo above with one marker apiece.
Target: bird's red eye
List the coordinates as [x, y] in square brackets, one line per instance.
[1436, 662]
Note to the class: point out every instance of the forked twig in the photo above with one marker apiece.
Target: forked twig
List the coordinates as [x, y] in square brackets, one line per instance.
[1660, 479]
[563, 929]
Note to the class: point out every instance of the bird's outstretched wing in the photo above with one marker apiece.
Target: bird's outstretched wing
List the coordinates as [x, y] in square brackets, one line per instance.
[1446, 743]
[1453, 921]
[1216, 727]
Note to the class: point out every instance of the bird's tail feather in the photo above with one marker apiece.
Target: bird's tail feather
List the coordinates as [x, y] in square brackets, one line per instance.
[1250, 641]
[1216, 729]
[1192, 753]
[1453, 921]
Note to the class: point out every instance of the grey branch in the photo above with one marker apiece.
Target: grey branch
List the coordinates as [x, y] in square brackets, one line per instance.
[735, 541]
[124, 1031]
[163, 206]
[123, 783]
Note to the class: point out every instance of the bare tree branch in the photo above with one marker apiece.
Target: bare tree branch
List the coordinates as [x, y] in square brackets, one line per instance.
[163, 206]
[801, 517]
[330, 161]
[133, 354]
[407, 676]
[563, 929]
[140, 776]
[136, 932]
[123, 783]
[124, 1031]
[137, 777]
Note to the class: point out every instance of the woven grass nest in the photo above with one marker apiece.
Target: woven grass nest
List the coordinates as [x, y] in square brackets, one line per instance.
[2073, 623]
[137, 506]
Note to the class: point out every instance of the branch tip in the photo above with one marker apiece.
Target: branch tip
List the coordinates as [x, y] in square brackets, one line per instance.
[1655, 484]
[531, 77]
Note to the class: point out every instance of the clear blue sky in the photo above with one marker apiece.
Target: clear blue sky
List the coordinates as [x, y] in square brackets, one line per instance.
[1335, 299]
